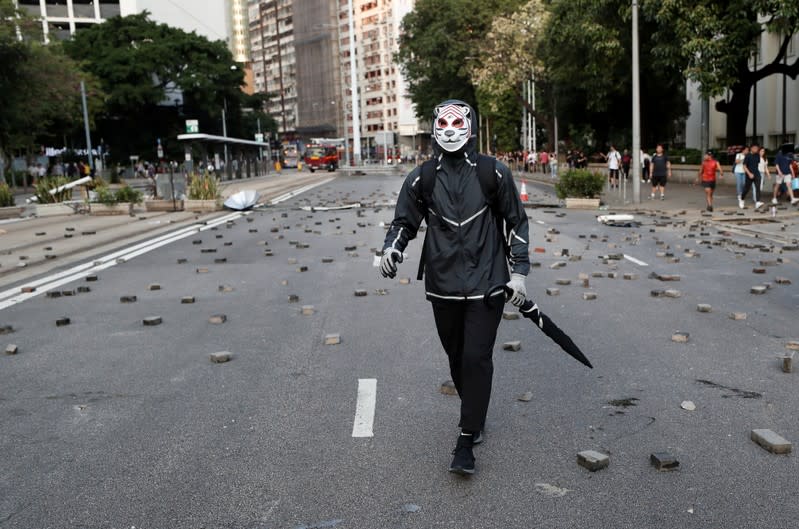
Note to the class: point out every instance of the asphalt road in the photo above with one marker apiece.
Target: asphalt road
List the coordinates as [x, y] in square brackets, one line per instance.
[106, 423]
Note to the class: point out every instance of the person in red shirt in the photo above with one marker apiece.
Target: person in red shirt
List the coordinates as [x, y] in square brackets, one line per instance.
[707, 175]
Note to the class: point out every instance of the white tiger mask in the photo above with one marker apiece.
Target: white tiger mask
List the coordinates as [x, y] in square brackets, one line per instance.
[453, 126]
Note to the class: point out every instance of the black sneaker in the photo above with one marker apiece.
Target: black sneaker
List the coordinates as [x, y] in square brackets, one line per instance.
[463, 462]
[477, 438]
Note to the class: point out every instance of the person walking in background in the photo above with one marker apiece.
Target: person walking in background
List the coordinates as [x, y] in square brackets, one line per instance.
[763, 167]
[707, 175]
[646, 162]
[740, 173]
[626, 161]
[783, 176]
[553, 164]
[753, 176]
[660, 167]
[614, 164]
[544, 157]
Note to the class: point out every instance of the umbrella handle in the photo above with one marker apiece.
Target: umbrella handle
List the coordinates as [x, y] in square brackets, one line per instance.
[491, 292]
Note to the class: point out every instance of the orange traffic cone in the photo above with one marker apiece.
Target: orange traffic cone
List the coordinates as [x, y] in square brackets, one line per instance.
[525, 196]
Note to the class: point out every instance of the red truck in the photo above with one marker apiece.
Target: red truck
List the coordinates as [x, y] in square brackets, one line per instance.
[321, 157]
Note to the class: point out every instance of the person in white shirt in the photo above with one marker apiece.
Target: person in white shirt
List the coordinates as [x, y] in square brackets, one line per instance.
[740, 173]
[614, 163]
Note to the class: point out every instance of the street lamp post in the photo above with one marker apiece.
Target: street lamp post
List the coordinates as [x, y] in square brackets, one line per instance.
[356, 120]
[636, 112]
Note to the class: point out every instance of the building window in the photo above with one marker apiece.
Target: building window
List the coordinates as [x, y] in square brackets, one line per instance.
[57, 8]
[109, 8]
[83, 8]
[31, 7]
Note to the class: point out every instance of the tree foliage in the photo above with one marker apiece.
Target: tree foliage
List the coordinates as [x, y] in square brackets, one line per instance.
[39, 85]
[144, 68]
[440, 42]
[713, 42]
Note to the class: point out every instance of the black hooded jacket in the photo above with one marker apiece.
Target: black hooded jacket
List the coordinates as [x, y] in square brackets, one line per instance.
[469, 244]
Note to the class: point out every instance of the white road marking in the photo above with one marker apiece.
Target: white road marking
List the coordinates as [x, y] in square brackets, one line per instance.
[634, 260]
[365, 408]
[292, 194]
[13, 296]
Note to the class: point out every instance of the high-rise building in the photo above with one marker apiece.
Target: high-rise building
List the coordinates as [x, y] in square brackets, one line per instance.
[239, 31]
[273, 59]
[62, 18]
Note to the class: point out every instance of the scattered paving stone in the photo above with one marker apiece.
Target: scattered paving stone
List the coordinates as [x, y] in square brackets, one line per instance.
[302, 269]
[664, 461]
[704, 307]
[589, 296]
[787, 362]
[294, 298]
[332, 339]
[512, 346]
[582, 276]
[511, 315]
[405, 281]
[128, 299]
[792, 345]
[680, 337]
[557, 265]
[217, 319]
[68, 293]
[758, 290]
[187, 300]
[360, 293]
[220, 260]
[774, 443]
[221, 357]
[687, 405]
[308, 310]
[91, 278]
[350, 248]
[672, 293]
[151, 321]
[50, 257]
[6, 329]
[40, 233]
[539, 250]
[630, 277]
[28, 290]
[553, 291]
[253, 230]
[61, 322]
[525, 397]
[782, 281]
[592, 460]
[612, 275]
[664, 277]
[154, 286]
[738, 316]
[208, 250]
[229, 243]
[197, 241]
[67, 235]
[12, 349]
[327, 260]
[54, 294]
[202, 270]
[448, 388]
[91, 232]
[182, 260]
[597, 274]
[758, 270]
[563, 282]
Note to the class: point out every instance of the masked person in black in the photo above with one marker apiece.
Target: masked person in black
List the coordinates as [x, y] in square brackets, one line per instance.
[477, 238]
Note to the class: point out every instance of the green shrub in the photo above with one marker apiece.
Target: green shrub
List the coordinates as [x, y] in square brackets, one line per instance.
[580, 183]
[43, 187]
[105, 196]
[128, 194]
[204, 188]
[6, 197]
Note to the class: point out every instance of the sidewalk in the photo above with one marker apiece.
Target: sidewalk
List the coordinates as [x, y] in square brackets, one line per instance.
[688, 202]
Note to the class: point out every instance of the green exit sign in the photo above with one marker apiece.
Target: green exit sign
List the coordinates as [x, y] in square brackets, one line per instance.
[192, 126]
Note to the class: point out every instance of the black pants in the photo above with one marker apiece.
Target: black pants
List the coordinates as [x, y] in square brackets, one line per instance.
[468, 330]
[748, 184]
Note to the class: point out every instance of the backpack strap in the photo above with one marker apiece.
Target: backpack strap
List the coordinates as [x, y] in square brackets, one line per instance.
[427, 184]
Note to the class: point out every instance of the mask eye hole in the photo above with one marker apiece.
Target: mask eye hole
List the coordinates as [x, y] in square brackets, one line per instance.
[458, 123]
[442, 122]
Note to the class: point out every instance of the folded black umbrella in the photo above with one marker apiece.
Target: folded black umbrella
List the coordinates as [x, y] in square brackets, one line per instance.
[531, 311]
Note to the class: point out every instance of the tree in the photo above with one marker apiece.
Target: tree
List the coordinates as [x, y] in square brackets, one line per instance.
[714, 42]
[586, 53]
[439, 42]
[145, 67]
[39, 85]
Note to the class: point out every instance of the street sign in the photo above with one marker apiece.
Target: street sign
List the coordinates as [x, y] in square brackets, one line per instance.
[192, 126]
[259, 137]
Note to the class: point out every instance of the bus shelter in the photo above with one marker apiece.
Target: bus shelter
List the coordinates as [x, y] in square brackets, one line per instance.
[245, 158]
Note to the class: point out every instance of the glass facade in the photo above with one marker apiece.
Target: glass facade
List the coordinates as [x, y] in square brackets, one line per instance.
[109, 9]
[83, 8]
[57, 8]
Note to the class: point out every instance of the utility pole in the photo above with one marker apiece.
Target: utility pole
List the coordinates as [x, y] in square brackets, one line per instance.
[535, 140]
[636, 112]
[86, 124]
[356, 119]
[280, 70]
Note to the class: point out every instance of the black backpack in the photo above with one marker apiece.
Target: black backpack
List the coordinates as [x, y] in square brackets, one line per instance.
[486, 174]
